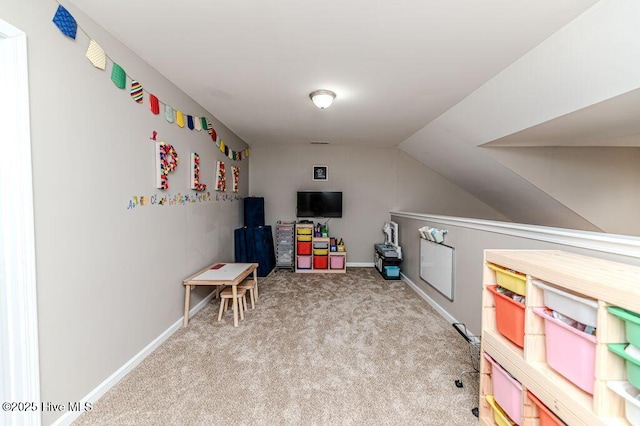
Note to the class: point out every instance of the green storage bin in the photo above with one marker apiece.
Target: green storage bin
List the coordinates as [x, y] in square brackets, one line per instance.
[633, 365]
[631, 324]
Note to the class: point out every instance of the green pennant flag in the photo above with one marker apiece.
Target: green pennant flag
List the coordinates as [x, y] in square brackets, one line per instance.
[118, 76]
[203, 120]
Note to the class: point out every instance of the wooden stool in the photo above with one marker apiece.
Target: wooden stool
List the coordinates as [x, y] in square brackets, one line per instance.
[226, 295]
[250, 285]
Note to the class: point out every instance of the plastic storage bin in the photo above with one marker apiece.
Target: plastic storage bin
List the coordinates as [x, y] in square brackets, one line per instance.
[392, 271]
[517, 283]
[632, 364]
[575, 307]
[570, 352]
[320, 262]
[545, 416]
[509, 317]
[320, 252]
[336, 262]
[304, 262]
[303, 248]
[631, 403]
[507, 391]
[304, 231]
[499, 416]
[631, 324]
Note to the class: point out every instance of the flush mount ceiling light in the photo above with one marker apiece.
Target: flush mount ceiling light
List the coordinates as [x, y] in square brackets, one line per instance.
[322, 98]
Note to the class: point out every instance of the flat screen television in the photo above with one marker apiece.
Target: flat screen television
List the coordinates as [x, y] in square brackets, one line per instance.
[319, 204]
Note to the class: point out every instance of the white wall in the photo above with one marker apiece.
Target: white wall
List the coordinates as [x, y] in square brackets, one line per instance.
[471, 240]
[593, 58]
[374, 181]
[598, 182]
[109, 278]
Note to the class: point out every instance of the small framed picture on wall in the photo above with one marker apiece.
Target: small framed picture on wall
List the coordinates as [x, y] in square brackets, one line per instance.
[320, 173]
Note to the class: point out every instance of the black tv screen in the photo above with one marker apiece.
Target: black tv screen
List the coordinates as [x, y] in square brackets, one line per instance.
[319, 204]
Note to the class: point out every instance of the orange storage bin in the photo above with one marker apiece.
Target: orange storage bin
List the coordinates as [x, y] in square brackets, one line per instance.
[303, 248]
[509, 317]
[546, 417]
[320, 262]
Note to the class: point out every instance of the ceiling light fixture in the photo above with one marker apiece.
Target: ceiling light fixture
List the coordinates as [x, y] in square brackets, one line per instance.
[322, 98]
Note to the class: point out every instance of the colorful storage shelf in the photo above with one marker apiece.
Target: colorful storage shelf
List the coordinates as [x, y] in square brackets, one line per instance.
[554, 362]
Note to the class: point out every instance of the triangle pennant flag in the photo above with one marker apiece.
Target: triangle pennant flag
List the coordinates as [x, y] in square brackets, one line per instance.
[246, 152]
[179, 118]
[118, 76]
[203, 120]
[222, 147]
[226, 150]
[198, 123]
[168, 113]
[214, 135]
[240, 156]
[190, 122]
[218, 143]
[209, 127]
[65, 22]
[96, 55]
[154, 105]
[136, 91]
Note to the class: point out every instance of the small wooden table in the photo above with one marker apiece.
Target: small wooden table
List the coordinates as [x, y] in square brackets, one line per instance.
[219, 274]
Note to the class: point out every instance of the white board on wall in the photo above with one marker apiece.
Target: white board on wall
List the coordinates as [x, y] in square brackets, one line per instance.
[436, 266]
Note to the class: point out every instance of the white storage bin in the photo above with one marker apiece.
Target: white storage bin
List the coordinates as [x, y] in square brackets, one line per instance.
[631, 405]
[575, 307]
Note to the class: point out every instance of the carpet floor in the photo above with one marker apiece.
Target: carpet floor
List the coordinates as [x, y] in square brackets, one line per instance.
[318, 349]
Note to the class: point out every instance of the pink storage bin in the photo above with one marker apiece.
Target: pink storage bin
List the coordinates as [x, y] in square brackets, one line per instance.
[336, 262]
[304, 262]
[570, 352]
[507, 391]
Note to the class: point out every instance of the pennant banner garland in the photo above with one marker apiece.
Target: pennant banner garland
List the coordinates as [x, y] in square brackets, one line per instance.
[168, 113]
[98, 58]
[154, 106]
[65, 22]
[118, 76]
[136, 91]
[96, 55]
[179, 118]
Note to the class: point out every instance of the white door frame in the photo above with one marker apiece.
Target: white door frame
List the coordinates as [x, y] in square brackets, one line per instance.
[19, 360]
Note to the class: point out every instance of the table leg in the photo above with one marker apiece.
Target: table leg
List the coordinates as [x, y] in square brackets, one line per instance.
[234, 293]
[255, 281]
[187, 296]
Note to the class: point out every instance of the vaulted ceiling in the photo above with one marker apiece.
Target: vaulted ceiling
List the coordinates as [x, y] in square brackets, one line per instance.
[455, 83]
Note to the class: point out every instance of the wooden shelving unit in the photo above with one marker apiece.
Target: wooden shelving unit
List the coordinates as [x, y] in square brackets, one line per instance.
[310, 258]
[609, 283]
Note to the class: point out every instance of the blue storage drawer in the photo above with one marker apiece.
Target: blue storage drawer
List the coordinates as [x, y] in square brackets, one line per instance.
[392, 271]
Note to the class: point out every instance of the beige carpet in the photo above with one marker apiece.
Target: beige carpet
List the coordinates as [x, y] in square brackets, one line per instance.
[339, 349]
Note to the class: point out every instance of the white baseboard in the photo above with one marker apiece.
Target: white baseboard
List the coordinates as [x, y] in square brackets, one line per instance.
[439, 309]
[360, 264]
[102, 388]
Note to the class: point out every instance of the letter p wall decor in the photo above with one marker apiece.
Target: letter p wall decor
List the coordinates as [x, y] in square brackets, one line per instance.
[166, 162]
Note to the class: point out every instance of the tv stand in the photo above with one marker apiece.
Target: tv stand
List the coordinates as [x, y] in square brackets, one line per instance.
[311, 256]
